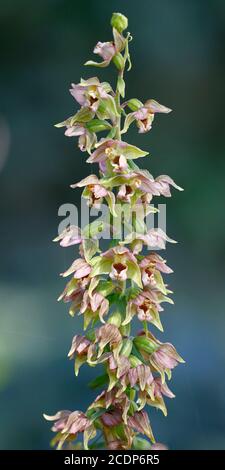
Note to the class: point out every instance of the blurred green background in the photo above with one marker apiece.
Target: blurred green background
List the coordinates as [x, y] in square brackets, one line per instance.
[178, 59]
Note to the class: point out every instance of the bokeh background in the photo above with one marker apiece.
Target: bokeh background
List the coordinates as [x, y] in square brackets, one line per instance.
[178, 59]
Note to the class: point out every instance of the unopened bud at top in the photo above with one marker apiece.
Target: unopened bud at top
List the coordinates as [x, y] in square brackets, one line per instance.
[119, 22]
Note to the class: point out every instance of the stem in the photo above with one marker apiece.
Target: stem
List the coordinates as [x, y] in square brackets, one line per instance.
[145, 325]
[117, 99]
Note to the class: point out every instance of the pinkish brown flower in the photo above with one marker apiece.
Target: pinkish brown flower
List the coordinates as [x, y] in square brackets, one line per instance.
[140, 375]
[79, 268]
[140, 422]
[107, 334]
[86, 139]
[154, 395]
[151, 263]
[119, 263]
[80, 345]
[96, 303]
[108, 50]
[165, 359]
[60, 420]
[95, 192]
[88, 93]
[70, 236]
[113, 154]
[154, 239]
[144, 115]
[68, 424]
[119, 365]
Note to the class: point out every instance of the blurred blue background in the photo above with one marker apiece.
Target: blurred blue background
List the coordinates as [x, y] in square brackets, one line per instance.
[178, 59]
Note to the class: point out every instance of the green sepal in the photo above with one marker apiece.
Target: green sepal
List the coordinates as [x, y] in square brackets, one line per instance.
[145, 344]
[98, 125]
[134, 104]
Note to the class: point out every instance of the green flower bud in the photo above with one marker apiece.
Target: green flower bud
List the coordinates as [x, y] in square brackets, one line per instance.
[141, 342]
[98, 125]
[119, 22]
[115, 319]
[119, 62]
[126, 347]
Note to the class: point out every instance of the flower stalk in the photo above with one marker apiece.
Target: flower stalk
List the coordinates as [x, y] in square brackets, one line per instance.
[110, 288]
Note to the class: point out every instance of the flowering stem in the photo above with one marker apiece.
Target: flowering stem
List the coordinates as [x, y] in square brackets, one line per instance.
[109, 288]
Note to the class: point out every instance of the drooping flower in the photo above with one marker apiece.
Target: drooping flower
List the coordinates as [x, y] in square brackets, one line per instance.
[151, 263]
[80, 345]
[107, 334]
[108, 50]
[70, 236]
[140, 422]
[113, 155]
[86, 140]
[88, 93]
[165, 359]
[95, 192]
[154, 395]
[140, 375]
[68, 424]
[94, 303]
[144, 115]
[79, 268]
[154, 239]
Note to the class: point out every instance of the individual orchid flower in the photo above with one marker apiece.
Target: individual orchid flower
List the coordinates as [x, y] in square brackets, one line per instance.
[94, 98]
[113, 155]
[79, 268]
[144, 115]
[155, 395]
[87, 139]
[108, 50]
[70, 236]
[140, 422]
[120, 263]
[107, 334]
[153, 239]
[165, 358]
[141, 183]
[147, 308]
[94, 305]
[140, 375]
[95, 192]
[89, 93]
[68, 423]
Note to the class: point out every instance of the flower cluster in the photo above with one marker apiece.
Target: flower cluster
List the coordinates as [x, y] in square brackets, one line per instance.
[109, 288]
